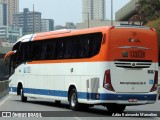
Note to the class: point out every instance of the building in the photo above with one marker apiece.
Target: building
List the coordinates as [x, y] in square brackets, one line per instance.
[127, 11]
[29, 21]
[59, 27]
[47, 25]
[13, 7]
[3, 14]
[93, 9]
[68, 25]
[9, 35]
[97, 23]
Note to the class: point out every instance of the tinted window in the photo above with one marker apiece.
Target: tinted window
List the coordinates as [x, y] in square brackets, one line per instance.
[72, 47]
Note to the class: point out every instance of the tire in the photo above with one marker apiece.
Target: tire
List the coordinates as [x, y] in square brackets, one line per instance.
[115, 108]
[19, 91]
[73, 100]
[23, 98]
[57, 102]
[84, 107]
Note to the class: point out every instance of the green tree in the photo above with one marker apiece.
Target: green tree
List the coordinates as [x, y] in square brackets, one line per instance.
[147, 10]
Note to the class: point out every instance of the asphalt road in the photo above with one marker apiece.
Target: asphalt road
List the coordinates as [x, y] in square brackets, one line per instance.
[43, 107]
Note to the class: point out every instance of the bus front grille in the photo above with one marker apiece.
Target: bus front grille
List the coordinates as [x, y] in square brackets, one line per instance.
[133, 64]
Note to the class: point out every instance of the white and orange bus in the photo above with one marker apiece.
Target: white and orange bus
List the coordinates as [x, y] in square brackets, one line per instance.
[113, 66]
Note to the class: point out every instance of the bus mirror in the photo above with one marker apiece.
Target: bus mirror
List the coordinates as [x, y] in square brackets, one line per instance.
[8, 54]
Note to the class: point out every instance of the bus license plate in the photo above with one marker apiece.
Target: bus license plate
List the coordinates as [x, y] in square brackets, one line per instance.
[137, 54]
[132, 100]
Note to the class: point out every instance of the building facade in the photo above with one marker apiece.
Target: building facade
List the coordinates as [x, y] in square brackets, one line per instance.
[97, 23]
[59, 27]
[13, 7]
[47, 25]
[93, 10]
[9, 35]
[3, 14]
[29, 21]
[68, 25]
[127, 11]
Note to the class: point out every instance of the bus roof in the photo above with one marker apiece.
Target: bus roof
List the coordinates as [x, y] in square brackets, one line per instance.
[59, 33]
[68, 32]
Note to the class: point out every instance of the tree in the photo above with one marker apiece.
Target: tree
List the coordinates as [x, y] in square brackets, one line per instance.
[146, 10]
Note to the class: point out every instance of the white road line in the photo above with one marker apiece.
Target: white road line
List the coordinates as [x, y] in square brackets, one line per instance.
[3, 101]
[77, 118]
[158, 118]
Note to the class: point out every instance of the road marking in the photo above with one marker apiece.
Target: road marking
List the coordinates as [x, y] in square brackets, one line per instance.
[158, 118]
[77, 118]
[3, 101]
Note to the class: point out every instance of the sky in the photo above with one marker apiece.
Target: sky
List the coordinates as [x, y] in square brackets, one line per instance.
[63, 11]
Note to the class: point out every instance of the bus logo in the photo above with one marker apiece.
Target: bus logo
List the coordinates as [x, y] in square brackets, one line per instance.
[133, 64]
[134, 34]
[137, 54]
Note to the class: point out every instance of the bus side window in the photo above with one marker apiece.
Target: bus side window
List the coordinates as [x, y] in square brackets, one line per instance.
[37, 50]
[80, 46]
[23, 53]
[68, 48]
[83, 47]
[95, 44]
[60, 49]
[44, 50]
[20, 56]
[51, 50]
[74, 47]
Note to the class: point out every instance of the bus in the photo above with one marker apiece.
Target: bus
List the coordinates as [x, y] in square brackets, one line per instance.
[113, 66]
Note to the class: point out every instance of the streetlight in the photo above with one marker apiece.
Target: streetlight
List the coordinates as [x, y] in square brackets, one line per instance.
[33, 19]
[112, 12]
[88, 19]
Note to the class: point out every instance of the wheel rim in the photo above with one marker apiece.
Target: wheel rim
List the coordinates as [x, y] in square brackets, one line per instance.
[73, 100]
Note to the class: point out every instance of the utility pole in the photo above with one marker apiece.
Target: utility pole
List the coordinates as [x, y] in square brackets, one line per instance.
[88, 19]
[111, 12]
[33, 20]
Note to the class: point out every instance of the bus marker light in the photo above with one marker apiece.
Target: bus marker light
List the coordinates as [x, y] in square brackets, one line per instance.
[98, 96]
[151, 81]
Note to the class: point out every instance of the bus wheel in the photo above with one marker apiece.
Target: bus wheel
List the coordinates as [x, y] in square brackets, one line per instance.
[23, 98]
[84, 107]
[73, 100]
[115, 108]
[57, 102]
